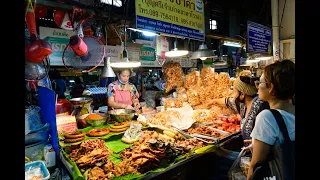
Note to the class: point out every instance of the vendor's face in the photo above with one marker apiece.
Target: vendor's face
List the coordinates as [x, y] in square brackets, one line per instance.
[263, 89]
[124, 76]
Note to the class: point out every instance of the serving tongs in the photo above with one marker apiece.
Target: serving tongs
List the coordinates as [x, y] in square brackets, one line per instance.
[204, 137]
[190, 136]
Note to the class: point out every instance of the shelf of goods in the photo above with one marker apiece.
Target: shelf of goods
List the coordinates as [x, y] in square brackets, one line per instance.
[189, 127]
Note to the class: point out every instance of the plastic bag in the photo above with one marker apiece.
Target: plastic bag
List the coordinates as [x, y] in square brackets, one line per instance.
[34, 172]
[134, 132]
[32, 119]
[236, 172]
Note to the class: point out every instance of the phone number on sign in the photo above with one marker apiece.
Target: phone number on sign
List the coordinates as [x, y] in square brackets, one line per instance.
[191, 23]
[161, 15]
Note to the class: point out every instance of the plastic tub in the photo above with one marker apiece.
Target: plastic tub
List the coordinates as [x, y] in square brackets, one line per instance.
[44, 171]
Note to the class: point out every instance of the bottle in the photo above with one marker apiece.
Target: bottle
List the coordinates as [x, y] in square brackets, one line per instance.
[49, 156]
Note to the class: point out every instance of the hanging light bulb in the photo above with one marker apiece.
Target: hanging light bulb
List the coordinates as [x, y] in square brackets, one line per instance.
[125, 63]
[203, 53]
[175, 52]
[107, 70]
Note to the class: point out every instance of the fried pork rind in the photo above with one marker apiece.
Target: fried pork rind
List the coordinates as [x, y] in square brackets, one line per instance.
[202, 115]
[164, 118]
[218, 110]
[206, 74]
[172, 103]
[193, 80]
[183, 97]
[193, 97]
[173, 75]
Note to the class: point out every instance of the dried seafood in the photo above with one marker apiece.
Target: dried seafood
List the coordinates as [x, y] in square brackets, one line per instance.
[188, 145]
[205, 131]
[90, 153]
[146, 155]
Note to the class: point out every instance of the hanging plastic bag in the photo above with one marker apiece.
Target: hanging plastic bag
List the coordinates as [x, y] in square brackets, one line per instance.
[239, 168]
[32, 119]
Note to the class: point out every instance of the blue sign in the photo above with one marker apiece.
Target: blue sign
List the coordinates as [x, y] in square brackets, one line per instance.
[168, 28]
[259, 39]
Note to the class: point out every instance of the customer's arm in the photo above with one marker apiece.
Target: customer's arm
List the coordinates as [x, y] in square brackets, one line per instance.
[260, 153]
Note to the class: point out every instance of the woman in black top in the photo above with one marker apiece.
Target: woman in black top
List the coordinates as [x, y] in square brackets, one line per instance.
[245, 102]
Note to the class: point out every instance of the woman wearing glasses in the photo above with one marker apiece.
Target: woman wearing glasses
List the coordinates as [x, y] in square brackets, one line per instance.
[277, 87]
[246, 103]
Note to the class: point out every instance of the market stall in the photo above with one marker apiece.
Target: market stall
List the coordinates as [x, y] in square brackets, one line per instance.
[128, 144]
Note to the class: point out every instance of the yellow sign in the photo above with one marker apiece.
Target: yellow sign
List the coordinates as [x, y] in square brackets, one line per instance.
[176, 17]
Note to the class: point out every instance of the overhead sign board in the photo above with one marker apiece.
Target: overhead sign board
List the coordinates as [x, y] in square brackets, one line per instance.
[174, 17]
[259, 39]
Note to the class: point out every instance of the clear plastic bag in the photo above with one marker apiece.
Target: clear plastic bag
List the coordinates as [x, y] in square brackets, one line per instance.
[34, 172]
[32, 119]
[134, 132]
[236, 172]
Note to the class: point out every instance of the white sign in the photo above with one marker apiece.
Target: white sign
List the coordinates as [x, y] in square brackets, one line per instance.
[114, 52]
[58, 40]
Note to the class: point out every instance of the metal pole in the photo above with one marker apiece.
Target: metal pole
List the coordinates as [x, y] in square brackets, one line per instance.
[275, 29]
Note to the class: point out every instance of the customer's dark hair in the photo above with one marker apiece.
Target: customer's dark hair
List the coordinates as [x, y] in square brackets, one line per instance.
[249, 80]
[282, 75]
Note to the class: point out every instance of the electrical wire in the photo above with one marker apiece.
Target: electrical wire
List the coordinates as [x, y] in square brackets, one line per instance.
[284, 6]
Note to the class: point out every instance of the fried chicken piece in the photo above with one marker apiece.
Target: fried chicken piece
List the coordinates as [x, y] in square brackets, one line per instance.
[96, 173]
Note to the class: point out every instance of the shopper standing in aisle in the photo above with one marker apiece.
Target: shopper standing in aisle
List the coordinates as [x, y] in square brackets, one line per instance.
[277, 87]
[78, 88]
[122, 94]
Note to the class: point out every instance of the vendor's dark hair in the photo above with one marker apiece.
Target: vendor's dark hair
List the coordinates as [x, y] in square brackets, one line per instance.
[282, 75]
[124, 69]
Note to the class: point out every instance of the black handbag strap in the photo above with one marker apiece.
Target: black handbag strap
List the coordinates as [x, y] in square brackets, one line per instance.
[281, 124]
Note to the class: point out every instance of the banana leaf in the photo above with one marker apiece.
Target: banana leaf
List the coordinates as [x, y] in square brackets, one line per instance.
[76, 174]
[116, 145]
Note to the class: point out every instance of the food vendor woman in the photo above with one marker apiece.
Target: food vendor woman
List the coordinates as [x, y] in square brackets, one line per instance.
[122, 94]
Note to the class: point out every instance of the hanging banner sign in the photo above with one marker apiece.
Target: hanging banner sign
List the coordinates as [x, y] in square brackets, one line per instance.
[259, 39]
[174, 17]
[58, 40]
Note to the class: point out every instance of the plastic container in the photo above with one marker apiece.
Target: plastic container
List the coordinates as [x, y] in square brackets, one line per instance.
[44, 171]
[160, 108]
[63, 106]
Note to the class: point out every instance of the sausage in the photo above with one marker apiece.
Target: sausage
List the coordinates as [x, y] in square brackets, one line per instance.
[73, 140]
[118, 130]
[74, 135]
[98, 132]
[123, 125]
[128, 141]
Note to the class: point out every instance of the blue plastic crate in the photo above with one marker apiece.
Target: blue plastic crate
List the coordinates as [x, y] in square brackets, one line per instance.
[44, 169]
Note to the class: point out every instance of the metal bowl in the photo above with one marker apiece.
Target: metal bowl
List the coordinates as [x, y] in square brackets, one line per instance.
[121, 115]
[80, 100]
[97, 122]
